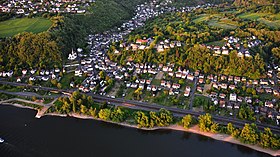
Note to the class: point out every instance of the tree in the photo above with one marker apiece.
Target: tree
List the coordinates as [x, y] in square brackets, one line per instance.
[137, 93]
[214, 127]
[230, 128]
[102, 75]
[92, 112]
[83, 109]
[142, 119]
[187, 121]
[268, 140]
[249, 134]
[265, 138]
[205, 122]
[104, 114]
[118, 115]
[59, 85]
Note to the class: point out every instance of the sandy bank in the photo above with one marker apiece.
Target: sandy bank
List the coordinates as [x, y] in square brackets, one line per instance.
[194, 129]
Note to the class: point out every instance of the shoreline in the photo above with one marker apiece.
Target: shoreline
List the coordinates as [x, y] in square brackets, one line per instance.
[175, 127]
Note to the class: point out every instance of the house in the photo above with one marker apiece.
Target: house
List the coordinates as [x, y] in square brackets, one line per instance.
[170, 74]
[24, 72]
[232, 97]
[230, 78]
[154, 88]
[248, 100]
[168, 84]
[199, 89]
[215, 85]
[223, 77]
[222, 103]
[171, 92]
[176, 86]
[18, 79]
[255, 82]
[276, 93]
[236, 105]
[53, 76]
[57, 70]
[224, 86]
[264, 82]
[45, 78]
[237, 79]
[222, 95]
[141, 86]
[200, 80]
[78, 72]
[165, 68]
[188, 88]
[230, 105]
[32, 78]
[160, 48]
[149, 88]
[232, 87]
[72, 84]
[187, 93]
[128, 84]
[141, 41]
[178, 74]
[72, 55]
[162, 83]
[268, 104]
[184, 76]
[225, 52]
[213, 94]
[134, 85]
[10, 73]
[190, 77]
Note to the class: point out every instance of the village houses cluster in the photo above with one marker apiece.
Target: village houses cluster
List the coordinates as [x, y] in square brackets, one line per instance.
[235, 43]
[33, 74]
[98, 61]
[27, 7]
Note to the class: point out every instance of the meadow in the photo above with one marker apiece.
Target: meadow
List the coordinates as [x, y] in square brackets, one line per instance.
[12, 27]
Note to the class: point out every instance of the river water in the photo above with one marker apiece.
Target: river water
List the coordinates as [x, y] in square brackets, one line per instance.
[26, 136]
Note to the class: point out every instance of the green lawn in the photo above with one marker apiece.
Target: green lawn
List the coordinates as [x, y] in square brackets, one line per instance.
[221, 24]
[14, 26]
[217, 43]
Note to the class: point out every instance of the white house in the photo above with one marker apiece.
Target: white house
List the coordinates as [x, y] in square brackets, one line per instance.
[72, 55]
[232, 97]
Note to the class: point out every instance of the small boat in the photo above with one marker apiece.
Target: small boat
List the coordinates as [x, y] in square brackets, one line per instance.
[1, 140]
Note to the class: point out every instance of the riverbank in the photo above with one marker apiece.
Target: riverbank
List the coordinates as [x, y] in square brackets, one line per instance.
[194, 129]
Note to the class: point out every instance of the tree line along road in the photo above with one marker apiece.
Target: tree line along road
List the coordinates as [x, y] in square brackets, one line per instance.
[152, 107]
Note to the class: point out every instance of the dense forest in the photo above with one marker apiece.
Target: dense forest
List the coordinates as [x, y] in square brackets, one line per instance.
[28, 50]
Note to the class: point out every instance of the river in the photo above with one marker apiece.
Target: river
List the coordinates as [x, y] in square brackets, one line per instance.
[26, 136]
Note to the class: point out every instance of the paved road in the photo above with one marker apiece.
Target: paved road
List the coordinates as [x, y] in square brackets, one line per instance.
[193, 93]
[29, 94]
[146, 106]
[181, 112]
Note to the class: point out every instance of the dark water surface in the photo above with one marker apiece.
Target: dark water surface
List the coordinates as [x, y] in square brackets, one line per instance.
[49, 136]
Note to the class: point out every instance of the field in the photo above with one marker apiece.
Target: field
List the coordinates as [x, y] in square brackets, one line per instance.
[262, 17]
[14, 26]
[216, 20]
